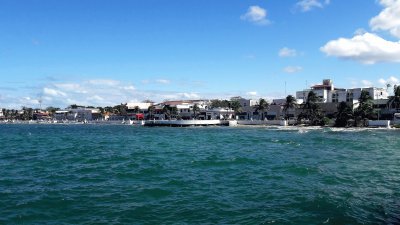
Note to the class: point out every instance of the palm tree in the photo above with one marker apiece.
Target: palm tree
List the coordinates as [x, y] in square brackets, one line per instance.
[365, 108]
[394, 101]
[290, 103]
[344, 114]
[151, 110]
[136, 109]
[261, 107]
[174, 111]
[312, 110]
[235, 105]
[195, 110]
[166, 110]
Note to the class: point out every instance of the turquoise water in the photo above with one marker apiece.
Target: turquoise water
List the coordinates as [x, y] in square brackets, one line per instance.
[104, 174]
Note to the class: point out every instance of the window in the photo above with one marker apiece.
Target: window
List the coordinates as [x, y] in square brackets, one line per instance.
[349, 97]
[335, 97]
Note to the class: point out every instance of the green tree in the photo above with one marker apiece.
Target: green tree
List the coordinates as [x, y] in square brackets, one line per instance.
[52, 110]
[365, 109]
[312, 111]
[344, 114]
[261, 107]
[26, 113]
[73, 106]
[290, 103]
[101, 109]
[394, 101]
[108, 109]
[120, 109]
[174, 112]
[166, 111]
[195, 109]
[151, 109]
[235, 105]
[219, 103]
[136, 109]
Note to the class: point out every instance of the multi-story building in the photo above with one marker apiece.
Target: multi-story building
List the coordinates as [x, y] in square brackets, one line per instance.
[329, 94]
[247, 107]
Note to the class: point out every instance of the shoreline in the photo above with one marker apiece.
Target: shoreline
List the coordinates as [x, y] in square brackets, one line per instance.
[137, 124]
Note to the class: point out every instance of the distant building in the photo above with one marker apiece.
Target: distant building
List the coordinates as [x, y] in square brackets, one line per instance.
[247, 108]
[219, 114]
[329, 94]
[79, 114]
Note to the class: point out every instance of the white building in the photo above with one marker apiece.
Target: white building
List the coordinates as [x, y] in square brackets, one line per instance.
[219, 114]
[247, 106]
[329, 94]
[324, 91]
[79, 114]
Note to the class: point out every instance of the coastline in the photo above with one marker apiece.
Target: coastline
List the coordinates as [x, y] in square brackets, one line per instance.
[260, 124]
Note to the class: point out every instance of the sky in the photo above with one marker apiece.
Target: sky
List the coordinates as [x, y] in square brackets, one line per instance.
[103, 53]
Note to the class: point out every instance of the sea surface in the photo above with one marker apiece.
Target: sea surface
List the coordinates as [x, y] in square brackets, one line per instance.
[119, 174]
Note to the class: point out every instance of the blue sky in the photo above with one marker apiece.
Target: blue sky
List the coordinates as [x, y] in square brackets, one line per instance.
[95, 52]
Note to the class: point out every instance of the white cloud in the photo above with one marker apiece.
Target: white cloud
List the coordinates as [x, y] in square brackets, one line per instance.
[391, 80]
[307, 5]
[292, 69]
[53, 92]
[367, 83]
[251, 93]
[367, 48]
[163, 81]
[129, 88]
[388, 19]
[189, 95]
[256, 14]
[104, 82]
[287, 52]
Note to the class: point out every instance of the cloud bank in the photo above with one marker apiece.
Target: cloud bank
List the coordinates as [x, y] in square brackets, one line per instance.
[370, 48]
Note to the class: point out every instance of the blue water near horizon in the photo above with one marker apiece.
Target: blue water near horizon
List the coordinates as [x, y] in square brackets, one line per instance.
[114, 174]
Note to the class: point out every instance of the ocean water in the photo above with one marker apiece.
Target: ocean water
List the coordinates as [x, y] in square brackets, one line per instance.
[114, 174]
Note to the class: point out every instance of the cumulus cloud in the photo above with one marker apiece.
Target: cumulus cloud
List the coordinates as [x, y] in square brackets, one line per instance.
[251, 93]
[367, 48]
[388, 19]
[256, 15]
[307, 5]
[391, 81]
[287, 52]
[292, 69]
